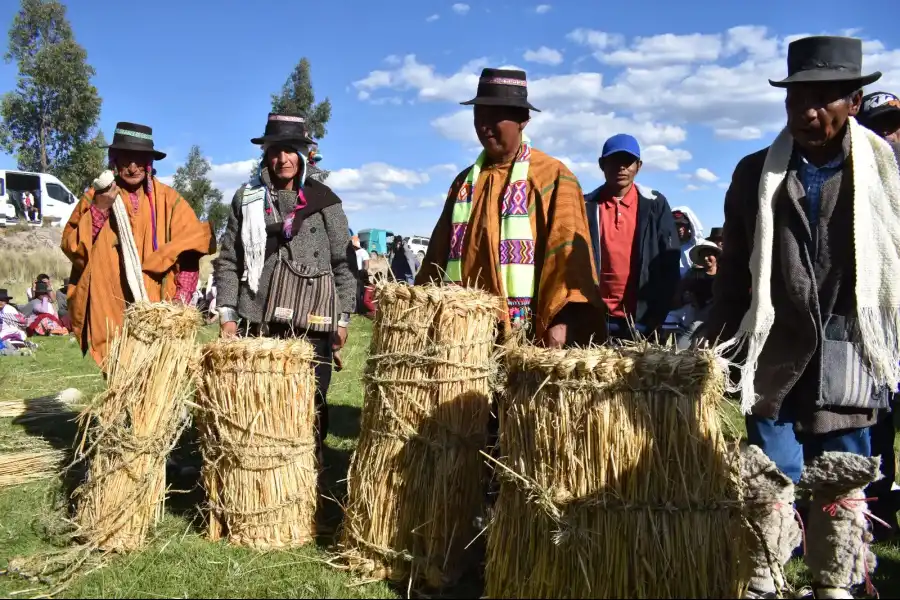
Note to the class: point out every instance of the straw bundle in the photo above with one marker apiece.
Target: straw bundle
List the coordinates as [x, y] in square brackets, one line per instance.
[129, 430]
[616, 479]
[258, 437]
[25, 460]
[416, 479]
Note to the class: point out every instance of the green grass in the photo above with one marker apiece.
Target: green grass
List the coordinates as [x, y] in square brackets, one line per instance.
[180, 562]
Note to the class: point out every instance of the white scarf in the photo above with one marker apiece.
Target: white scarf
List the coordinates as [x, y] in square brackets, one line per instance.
[876, 243]
[134, 274]
[253, 234]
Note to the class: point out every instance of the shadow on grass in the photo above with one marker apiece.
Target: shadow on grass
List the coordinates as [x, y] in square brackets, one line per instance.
[344, 420]
[332, 495]
[56, 423]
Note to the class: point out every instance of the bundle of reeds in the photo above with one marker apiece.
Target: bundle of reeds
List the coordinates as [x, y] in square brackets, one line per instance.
[616, 479]
[128, 431]
[43, 407]
[25, 459]
[257, 421]
[416, 482]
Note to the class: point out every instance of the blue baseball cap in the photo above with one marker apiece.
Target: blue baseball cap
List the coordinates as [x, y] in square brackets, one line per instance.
[621, 142]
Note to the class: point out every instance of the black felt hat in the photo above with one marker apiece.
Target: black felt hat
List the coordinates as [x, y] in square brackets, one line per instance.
[285, 129]
[826, 59]
[715, 234]
[4, 295]
[502, 87]
[135, 138]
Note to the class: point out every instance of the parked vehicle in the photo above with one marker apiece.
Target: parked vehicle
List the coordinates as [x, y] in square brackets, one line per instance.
[375, 239]
[33, 198]
[419, 245]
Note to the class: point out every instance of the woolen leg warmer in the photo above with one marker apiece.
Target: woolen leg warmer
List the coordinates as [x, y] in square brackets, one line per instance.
[838, 554]
[772, 530]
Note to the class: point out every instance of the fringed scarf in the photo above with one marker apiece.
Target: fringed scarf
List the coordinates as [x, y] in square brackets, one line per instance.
[876, 244]
[516, 237]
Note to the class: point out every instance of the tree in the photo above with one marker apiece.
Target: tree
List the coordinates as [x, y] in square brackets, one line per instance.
[297, 96]
[192, 182]
[84, 163]
[54, 107]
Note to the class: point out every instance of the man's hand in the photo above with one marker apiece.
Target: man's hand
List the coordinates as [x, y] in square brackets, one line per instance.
[555, 337]
[339, 339]
[228, 330]
[105, 200]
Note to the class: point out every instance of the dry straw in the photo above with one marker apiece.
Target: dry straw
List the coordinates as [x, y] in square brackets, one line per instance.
[128, 431]
[416, 482]
[616, 478]
[26, 460]
[257, 420]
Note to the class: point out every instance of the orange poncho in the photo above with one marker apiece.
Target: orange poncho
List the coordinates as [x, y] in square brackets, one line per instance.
[564, 270]
[97, 288]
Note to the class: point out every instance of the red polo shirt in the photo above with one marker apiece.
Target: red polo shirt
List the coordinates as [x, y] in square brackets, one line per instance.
[618, 277]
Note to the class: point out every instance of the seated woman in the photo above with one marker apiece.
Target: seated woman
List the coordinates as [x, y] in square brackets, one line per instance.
[42, 316]
[12, 323]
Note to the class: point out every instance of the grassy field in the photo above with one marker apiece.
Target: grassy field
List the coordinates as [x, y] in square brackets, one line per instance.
[179, 563]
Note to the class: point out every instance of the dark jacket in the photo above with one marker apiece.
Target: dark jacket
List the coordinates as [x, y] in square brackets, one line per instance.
[320, 243]
[658, 257]
[812, 283]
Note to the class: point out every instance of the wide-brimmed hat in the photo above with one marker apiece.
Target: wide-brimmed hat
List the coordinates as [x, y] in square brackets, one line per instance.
[502, 87]
[876, 104]
[135, 138]
[715, 234]
[287, 128]
[696, 253]
[826, 59]
[4, 295]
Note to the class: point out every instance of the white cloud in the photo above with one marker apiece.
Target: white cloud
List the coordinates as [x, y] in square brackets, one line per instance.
[542, 9]
[658, 88]
[460, 8]
[705, 175]
[544, 56]
[375, 176]
[694, 188]
[432, 18]
[596, 40]
[430, 203]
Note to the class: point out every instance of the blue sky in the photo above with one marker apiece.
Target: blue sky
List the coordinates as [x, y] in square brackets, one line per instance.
[687, 79]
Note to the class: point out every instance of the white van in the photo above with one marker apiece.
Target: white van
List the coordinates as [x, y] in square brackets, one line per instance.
[53, 200]
[419, 245]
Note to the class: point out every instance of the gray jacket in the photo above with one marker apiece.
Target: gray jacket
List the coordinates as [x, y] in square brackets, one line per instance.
[321, 243]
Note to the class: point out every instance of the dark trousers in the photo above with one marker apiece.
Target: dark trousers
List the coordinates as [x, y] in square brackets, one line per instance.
[321, 343]
[882, 436]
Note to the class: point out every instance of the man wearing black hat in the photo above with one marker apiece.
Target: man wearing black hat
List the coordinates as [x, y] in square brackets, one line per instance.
[285, 222]
[168, 238]
[880, 112]
[807, 290]
[514, 224]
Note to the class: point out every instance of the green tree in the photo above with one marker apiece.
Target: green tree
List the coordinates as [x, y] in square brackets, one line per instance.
[84, 163]
[54, 108]
[193, 183]
[297, 96]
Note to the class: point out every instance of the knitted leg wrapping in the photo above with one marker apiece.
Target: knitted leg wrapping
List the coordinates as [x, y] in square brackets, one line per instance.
[772, 531]
[838, 555]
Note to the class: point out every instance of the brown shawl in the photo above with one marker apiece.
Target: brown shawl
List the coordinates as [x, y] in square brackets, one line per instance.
[564, 270]
[97, 288]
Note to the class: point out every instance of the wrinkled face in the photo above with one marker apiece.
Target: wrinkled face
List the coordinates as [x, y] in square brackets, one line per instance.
[684, 231]
[130, 166]
[887, 126]
[620, 169]
[499, 129]
[817, 112]
[710, 260]
[283, 162]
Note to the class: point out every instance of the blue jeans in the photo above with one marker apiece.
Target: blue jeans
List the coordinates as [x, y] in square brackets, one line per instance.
[789, 450]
